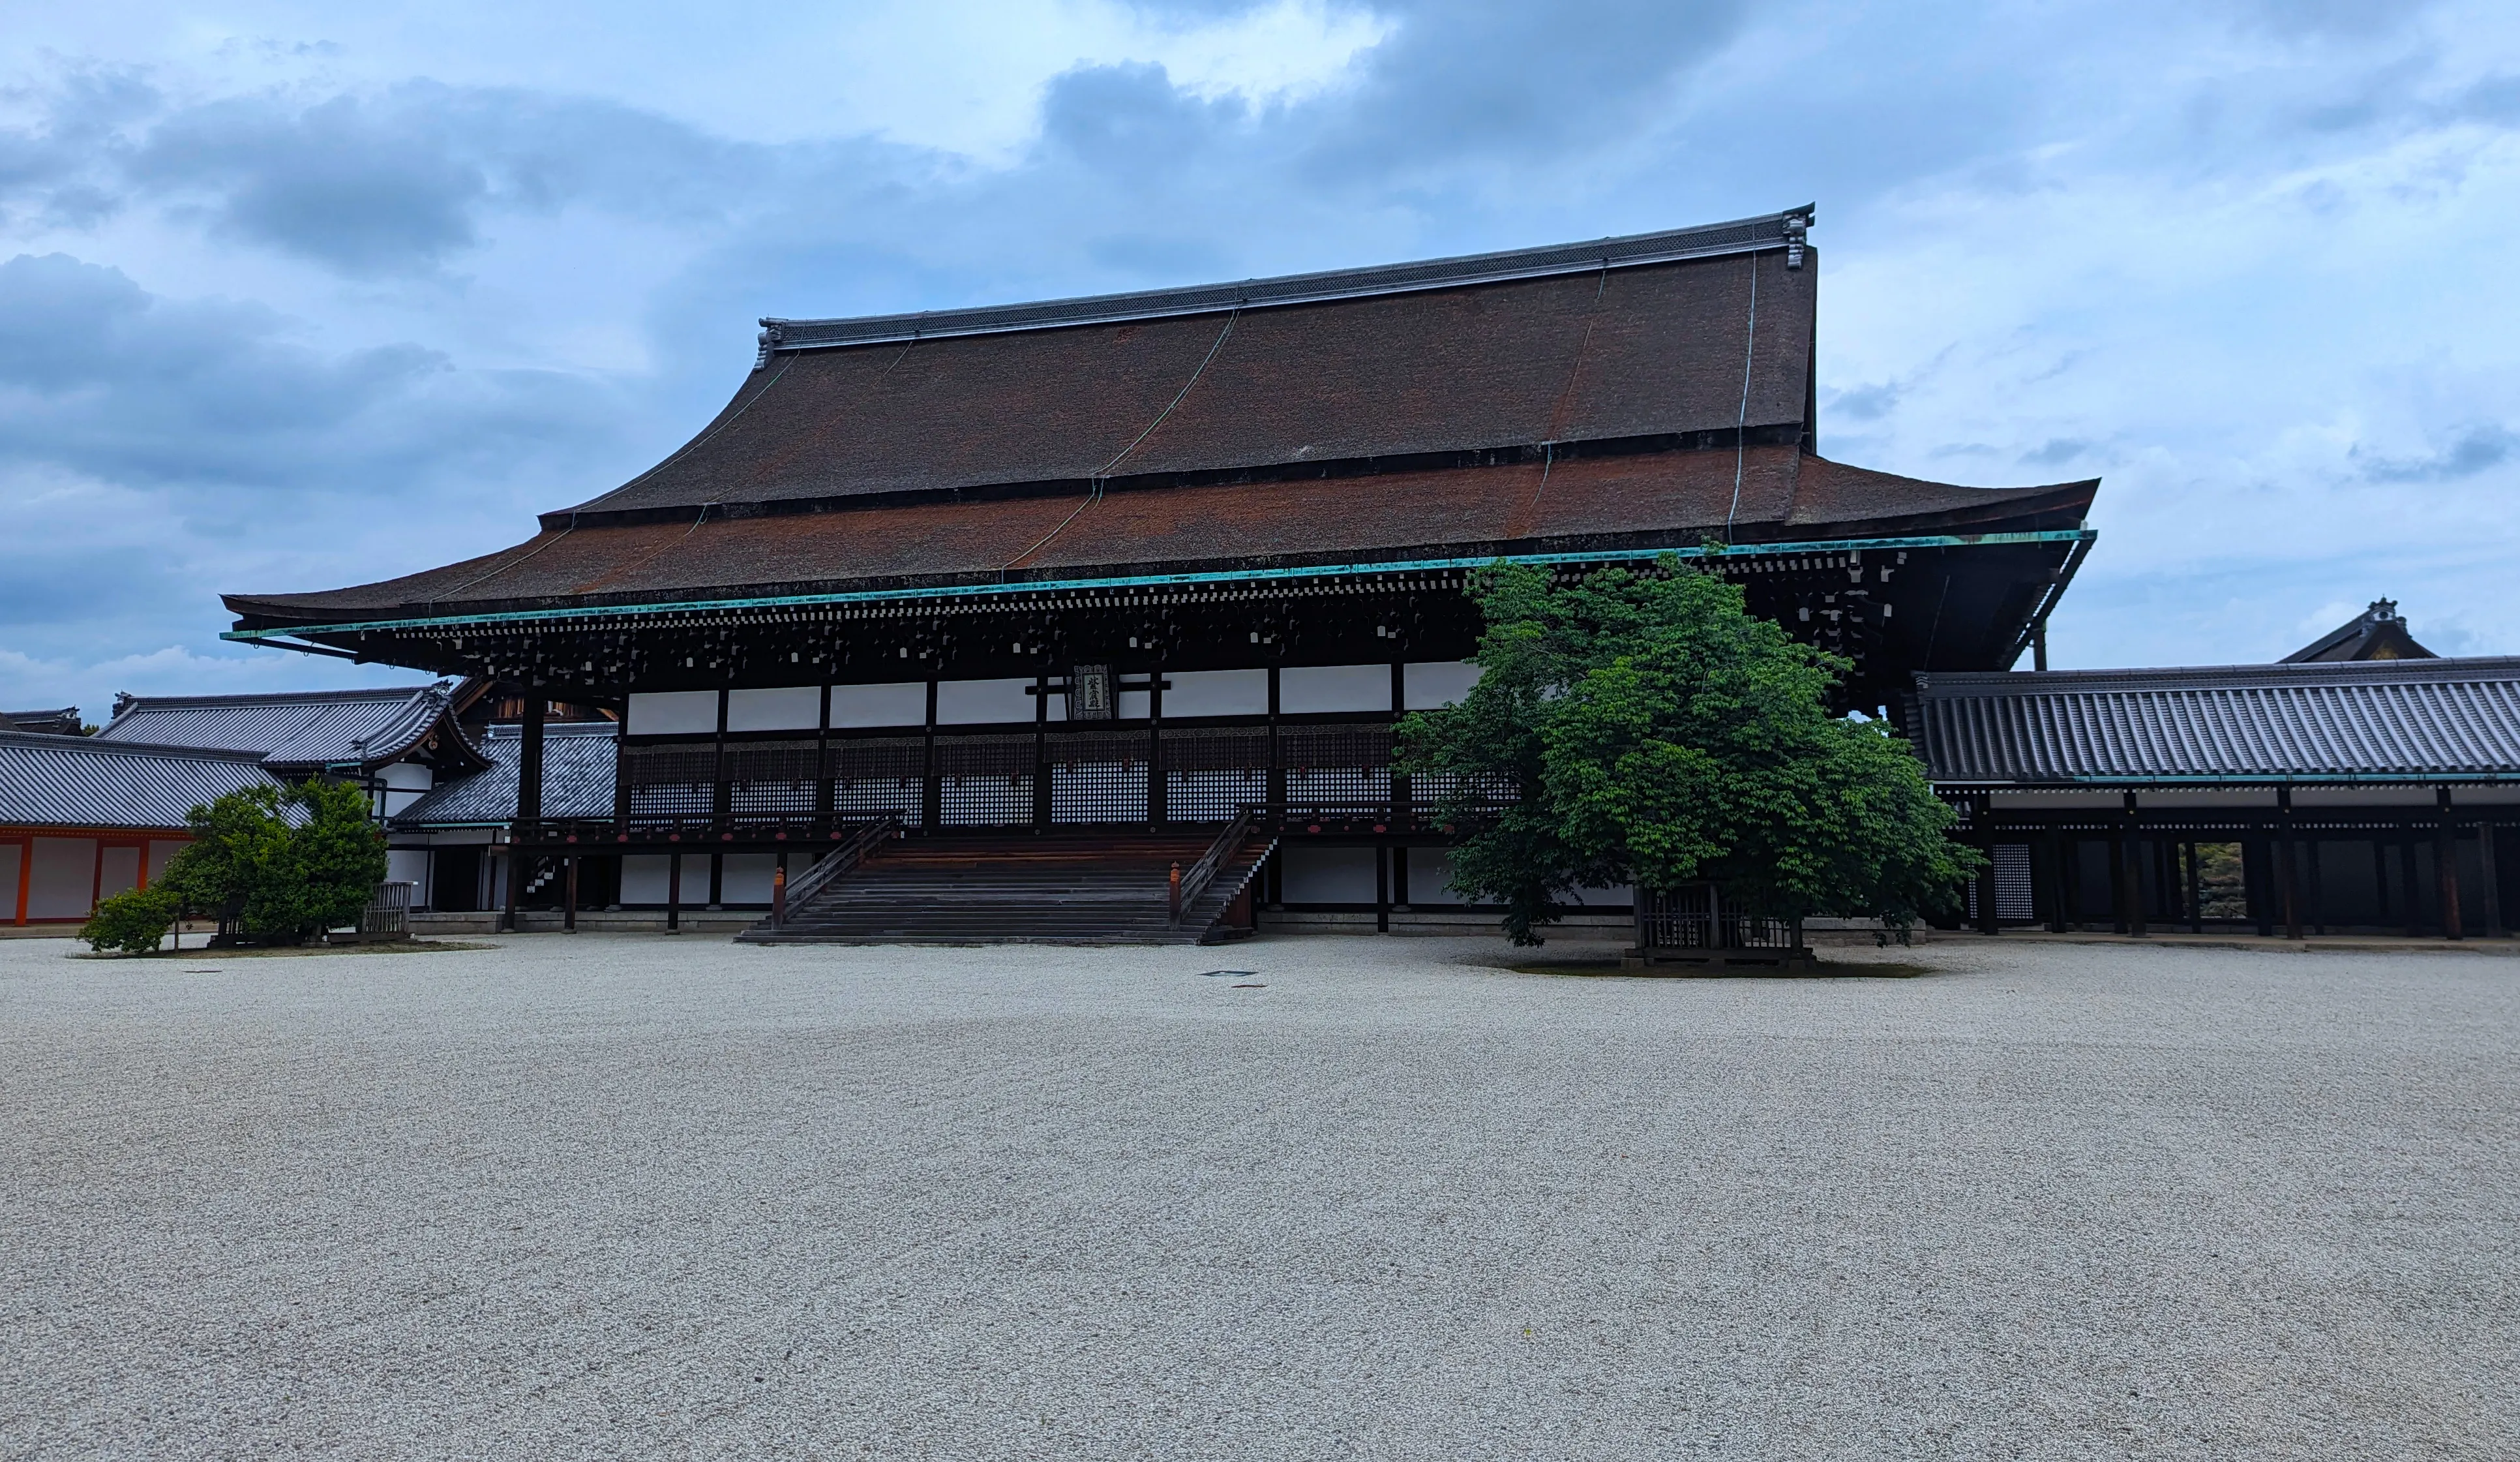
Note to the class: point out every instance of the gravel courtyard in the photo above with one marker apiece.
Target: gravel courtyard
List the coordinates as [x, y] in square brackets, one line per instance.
[609, 1197]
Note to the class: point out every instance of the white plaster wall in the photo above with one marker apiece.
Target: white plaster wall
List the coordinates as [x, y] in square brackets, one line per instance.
[405, 783]
[646, 877]
[1428, 684]
[1190, 693]
[1328, 875]
[898, 704]
[1429, 869]
[975, 703]
[62, 881]
[787, 707]
[746, 881]
[161, 853]
[120, 870]
[1306, 689]
[671, 713]
[409, 865]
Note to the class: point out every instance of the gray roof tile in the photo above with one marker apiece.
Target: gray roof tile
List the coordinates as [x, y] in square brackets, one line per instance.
[302, 731]
[577, 779]
[2346, 721]
[87, 782]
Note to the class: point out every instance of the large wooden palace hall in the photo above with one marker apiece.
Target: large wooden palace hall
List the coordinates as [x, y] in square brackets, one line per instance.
[1136, 581]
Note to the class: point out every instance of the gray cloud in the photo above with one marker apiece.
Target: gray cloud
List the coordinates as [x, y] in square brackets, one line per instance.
[2474, 450]
[400, 182]
[58, 171]
[105, 381]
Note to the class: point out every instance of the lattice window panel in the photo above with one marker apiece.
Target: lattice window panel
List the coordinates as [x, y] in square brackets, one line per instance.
[2013, 900]
[1211, 775]
[1336, 766]
[875, 775]
[986, 781]
[1431, 793]
[670, 781]
[1098, 777]
[772, 777]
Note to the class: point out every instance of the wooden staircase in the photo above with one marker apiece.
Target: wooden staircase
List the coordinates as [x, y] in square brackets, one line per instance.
[993, 888]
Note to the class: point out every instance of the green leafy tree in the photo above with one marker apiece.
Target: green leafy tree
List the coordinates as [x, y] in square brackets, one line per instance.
[282, 866]
[135, 922]
[1660, 734]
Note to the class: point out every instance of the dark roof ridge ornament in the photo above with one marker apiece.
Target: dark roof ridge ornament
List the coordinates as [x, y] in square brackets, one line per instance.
[769, 344]
[2379, 632]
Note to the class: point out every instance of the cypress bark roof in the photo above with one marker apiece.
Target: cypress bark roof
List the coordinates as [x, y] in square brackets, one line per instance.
[1628, 394]
[1589, 502]
[1594, 342]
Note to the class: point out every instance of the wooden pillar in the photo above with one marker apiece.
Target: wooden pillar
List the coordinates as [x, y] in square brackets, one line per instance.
[1277, 762]
[1040, 753]
[721, 795]
[1398, 790]
[2318, 895]
[2116, 853]
[2285, 859]
[1158, 788]
[569, 907]
[1982, 824]
[717, 880]
[2406, 859]
[2131, 879]
[1400, 878]
[2069, 883]
[2380, 879]
[2258, 877]
[674, 892]
[2446, 865]
[2195, 890]
[1381, 889]
[822, 795]
[2486, 830]
[530, 798]
[932, 785]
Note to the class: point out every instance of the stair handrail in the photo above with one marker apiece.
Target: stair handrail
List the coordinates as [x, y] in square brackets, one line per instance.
[851, 852]
[1203, 872]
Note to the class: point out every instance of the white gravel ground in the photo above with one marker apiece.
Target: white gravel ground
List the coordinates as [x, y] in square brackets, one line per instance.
[635, 1197]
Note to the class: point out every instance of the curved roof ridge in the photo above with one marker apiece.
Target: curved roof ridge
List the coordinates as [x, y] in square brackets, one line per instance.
[1783, 229]
[97, 746]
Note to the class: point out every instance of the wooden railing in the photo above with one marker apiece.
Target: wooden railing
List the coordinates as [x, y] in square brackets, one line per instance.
[1190, 886]
[852, 851]
[1693, 917]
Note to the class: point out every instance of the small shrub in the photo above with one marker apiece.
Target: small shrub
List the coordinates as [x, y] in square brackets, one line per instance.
[133, 922]
[281, 867]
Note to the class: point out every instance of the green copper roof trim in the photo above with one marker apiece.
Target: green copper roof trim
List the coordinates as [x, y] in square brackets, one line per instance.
[1162, 580]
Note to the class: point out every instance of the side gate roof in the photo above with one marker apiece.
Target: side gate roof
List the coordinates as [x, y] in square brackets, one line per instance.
[2340, 722]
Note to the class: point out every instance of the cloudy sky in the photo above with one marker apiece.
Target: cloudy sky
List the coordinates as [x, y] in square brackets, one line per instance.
[294, 295]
